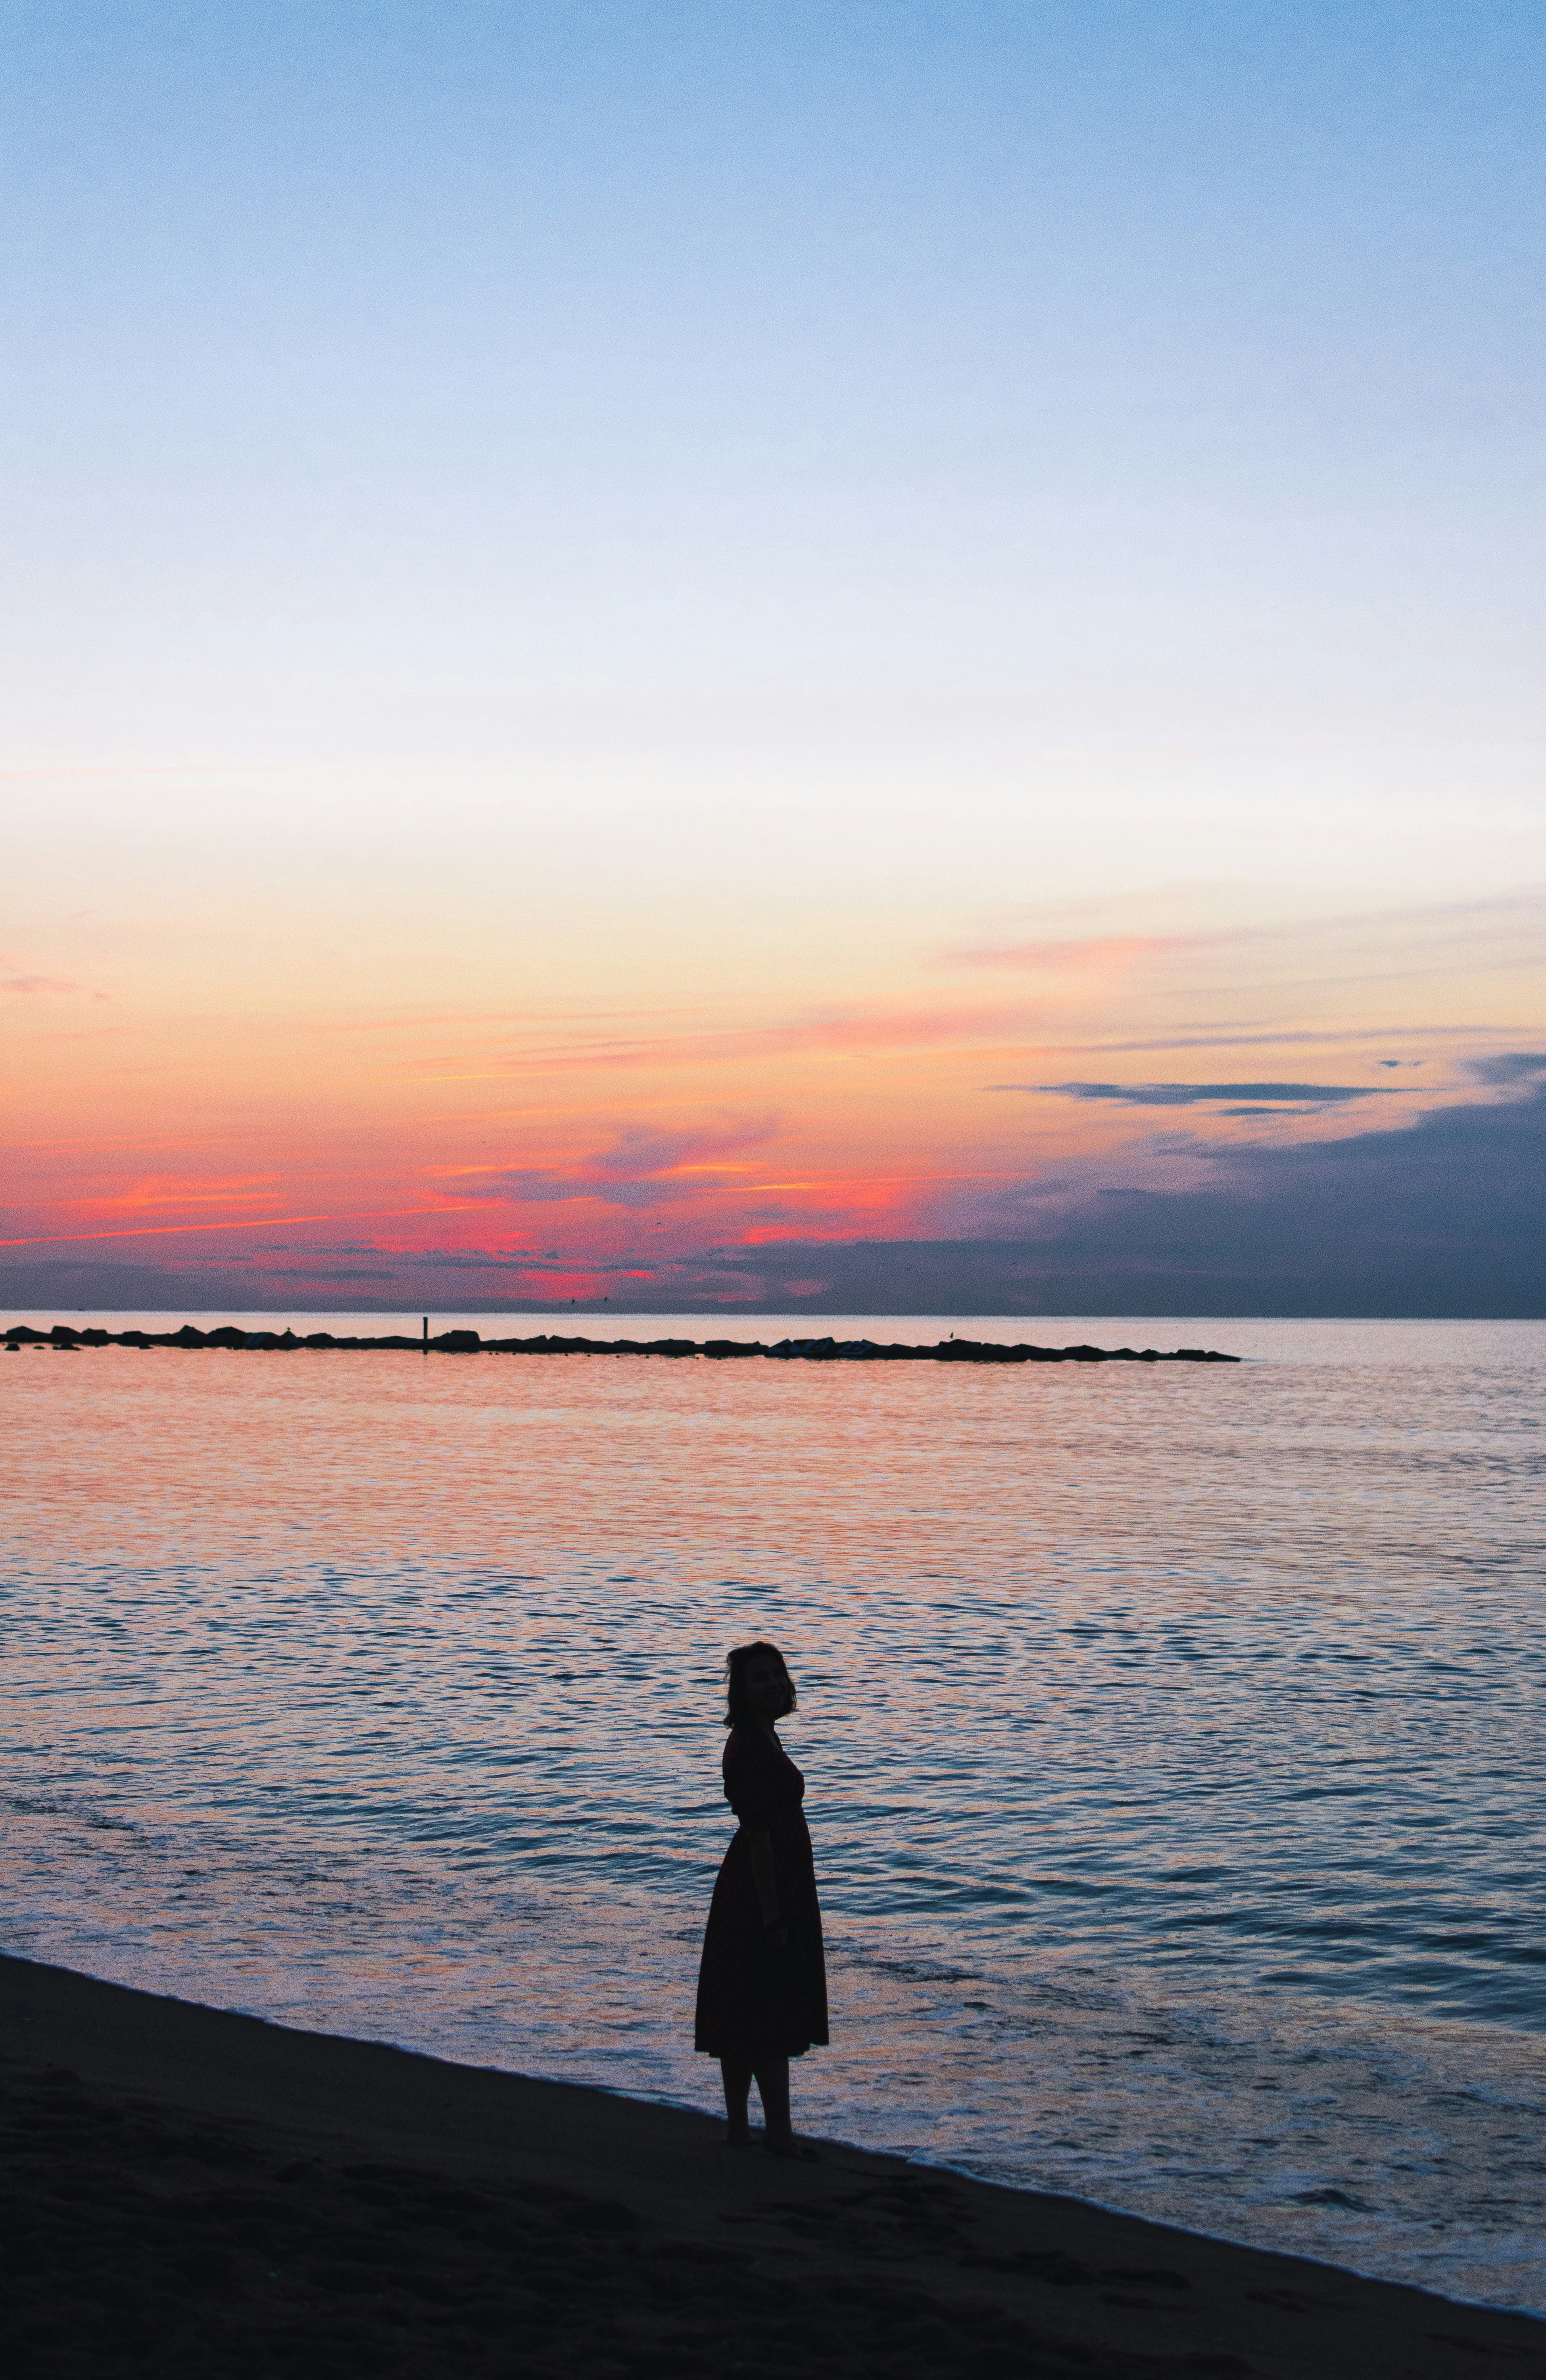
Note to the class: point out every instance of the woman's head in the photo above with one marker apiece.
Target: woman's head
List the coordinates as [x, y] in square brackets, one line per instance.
[758, 1687]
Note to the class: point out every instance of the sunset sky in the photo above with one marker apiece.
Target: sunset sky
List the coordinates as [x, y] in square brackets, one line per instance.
[858, 655]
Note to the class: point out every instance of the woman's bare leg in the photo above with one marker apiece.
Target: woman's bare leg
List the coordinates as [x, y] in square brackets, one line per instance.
[772, 2087]
[737, 2091]
[773, 2084]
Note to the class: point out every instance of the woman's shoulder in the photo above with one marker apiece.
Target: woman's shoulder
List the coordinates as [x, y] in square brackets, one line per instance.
[749, 1751]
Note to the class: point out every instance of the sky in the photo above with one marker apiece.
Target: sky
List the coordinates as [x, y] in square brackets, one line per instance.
[879, 656]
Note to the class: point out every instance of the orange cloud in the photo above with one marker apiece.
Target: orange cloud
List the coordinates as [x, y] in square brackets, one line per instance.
[843, 1034]
[239, 1223]
[642, 1168]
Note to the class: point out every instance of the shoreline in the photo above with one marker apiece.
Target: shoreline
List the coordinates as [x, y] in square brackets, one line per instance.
[232, 1337]
[253, 2199]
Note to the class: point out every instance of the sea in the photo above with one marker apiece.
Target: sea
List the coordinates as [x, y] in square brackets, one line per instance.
[1172, 1733]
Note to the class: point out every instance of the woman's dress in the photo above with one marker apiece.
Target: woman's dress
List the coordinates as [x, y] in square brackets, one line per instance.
[753, 2000]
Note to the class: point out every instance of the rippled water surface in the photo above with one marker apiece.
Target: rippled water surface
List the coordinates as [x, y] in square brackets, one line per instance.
[1172, 1736]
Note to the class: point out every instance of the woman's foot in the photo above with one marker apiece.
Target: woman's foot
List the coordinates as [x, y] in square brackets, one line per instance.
[738, 2137]
[800, 2151]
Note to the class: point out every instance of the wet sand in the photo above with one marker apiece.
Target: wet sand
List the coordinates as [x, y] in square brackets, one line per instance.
[192, 2191]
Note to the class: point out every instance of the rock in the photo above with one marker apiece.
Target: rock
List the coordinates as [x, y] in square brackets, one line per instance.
[469, 1343]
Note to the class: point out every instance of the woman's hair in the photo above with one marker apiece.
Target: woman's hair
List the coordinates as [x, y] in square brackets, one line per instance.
[736, 1661]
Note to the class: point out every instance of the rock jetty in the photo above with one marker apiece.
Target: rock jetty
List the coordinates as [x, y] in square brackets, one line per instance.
[231, 1335]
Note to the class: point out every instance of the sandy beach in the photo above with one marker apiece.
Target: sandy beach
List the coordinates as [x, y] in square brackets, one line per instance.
[193, 2191]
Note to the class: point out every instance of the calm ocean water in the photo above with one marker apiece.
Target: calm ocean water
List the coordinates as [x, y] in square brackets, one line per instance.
[1172, 1737]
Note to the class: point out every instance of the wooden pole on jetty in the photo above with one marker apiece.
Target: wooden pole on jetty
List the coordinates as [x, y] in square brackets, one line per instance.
[426, 1334]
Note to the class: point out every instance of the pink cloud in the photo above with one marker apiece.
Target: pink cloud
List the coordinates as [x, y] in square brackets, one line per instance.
[1104, 952]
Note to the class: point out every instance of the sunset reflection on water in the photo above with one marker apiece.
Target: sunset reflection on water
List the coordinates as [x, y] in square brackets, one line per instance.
[1168, 1735]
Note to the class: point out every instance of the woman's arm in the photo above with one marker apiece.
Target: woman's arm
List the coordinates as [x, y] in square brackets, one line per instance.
[765, 1878]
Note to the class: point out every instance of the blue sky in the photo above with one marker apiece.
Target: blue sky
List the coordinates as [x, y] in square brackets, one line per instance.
[785, 354]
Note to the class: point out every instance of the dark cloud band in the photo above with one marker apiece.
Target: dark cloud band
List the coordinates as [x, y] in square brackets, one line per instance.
[1190, 1094]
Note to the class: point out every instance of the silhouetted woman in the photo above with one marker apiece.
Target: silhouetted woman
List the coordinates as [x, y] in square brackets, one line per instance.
[762, 1983]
